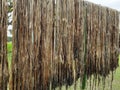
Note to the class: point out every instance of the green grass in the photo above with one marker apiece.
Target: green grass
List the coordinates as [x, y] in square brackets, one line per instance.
[116, 81]
[9, 53]
[9, 47]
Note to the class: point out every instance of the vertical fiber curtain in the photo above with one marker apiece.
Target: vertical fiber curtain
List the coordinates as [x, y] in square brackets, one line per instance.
[55, 42]
[102, 40]
[3, 46]
[22, 59]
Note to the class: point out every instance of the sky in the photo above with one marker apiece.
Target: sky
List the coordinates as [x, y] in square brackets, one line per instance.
[115, 4]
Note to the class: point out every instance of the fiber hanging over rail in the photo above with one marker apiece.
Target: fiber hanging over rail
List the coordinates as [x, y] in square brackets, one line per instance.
[56, 42]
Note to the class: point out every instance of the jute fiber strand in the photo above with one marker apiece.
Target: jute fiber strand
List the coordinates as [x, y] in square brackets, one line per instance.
[4, 75]
[102, 40]
[22, 58]
[55, 42]
[32, 45]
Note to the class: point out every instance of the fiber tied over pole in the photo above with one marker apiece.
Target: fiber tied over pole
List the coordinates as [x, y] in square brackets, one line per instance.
[59, 42]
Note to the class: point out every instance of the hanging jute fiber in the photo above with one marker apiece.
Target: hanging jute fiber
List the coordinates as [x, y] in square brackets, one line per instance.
[56, 42]
[3, 46]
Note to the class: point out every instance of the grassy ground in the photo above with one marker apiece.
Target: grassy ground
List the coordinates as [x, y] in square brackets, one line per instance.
[115, 83]
[9, 50]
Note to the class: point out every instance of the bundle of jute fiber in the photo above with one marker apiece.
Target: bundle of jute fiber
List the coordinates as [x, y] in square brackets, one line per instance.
[102, 39]
[42, 46]
[4, 75]
[55, 42]
[100, 35]
[22, 57]
[64, 26]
